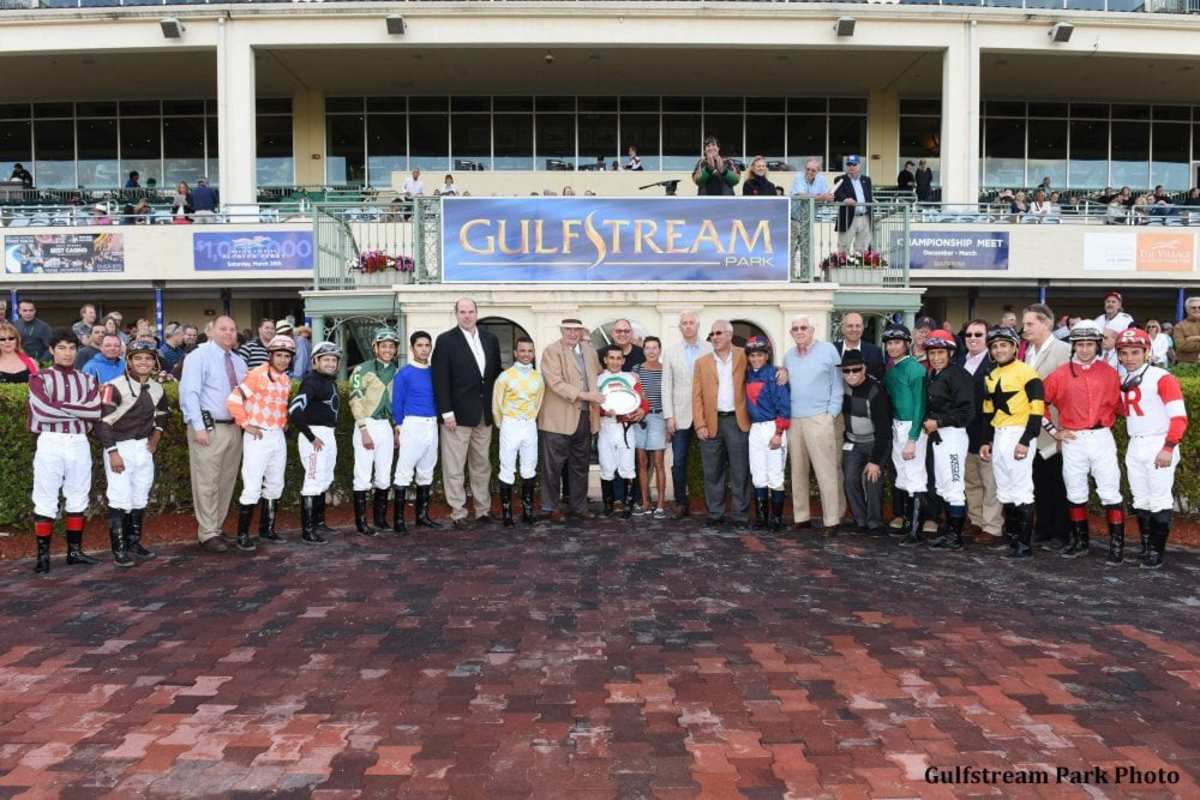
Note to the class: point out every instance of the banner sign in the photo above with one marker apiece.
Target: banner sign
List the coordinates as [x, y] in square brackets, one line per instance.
[500, 239]
[958, 249]
[1143, 251]
[252, 250]
[63, 253]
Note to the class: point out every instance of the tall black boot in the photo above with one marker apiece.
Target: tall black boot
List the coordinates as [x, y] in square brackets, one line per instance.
[1023, 517]
[75, 554]
[1116, 534]
[912, 521]
[1007, 540]
[527, 510]
[424, 493]
[627, 506]
[760, 509]
[360, 514]
[1144, 527]
[606, 497]
[1077, 540]
[381, 498]
[43, 555]
[506, 514]
[244, 542]
[777, 498]
[952, 538]
[266, 520]
[133, 531]
[308, 531]
[319, 516]
[1160, 530]
[401, 500]
[117, 538]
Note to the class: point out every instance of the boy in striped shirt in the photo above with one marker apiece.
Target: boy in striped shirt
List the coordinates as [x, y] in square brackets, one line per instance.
[516, 400]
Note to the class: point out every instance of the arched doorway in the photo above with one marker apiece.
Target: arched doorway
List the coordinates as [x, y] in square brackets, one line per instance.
[744, 329]
[507, 332]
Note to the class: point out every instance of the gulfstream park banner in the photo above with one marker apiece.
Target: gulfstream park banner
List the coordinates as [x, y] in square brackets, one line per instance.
[499, 239]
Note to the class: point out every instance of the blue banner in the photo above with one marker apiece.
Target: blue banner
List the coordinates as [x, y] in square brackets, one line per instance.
[252, 250]
[527, 239]
[958, 249]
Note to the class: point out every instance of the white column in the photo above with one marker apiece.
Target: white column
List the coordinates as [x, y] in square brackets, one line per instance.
[960, 118]
[236, 107]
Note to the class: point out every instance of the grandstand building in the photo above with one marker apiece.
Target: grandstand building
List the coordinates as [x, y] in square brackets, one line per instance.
[309, 117]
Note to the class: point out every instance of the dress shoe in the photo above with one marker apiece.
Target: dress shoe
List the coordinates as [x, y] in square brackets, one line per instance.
[215, 545]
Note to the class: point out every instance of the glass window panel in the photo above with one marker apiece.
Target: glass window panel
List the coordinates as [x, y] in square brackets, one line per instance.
[847, 105]
[772, 105]
[728, 130]
[921, 106]
[1053, 110]
[847, 136]
[555, 139]
[428, 103]
[465, 103]
[15, 111]
[141, 148]
[387, 147]
[275, 166]
[97, 140]
[96, 109]
[345, 159]
[1004, 108]
[681, 141]
[514, 141]
[343, 105]
[808, 105]
[681, 104]
[764, 136]
[139, 108]
[1130, 112]
[1089, 154]
[212, 148]
[387, 103]
[1131, 154]
[555, 104]
[598, 137]
[1004, 142]
[1171, 144]
[639, 104]
[728, 104]
[54, 160]
[1196, 144]
[806, 139]
[1092, 110]
[274, 105]
[183, 150]
[1085, 5]
[512, 103]
[1048, 151]
[16, 146]
[471, 140]
[1177, 113]
[44, 110]
[920, 137]
[429, 141]
[183, 107]
[597, 104]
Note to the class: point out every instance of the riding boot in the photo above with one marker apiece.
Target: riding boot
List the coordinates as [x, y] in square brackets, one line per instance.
[75, 554]
[318, 516]
[777, 498]
[606, 497]
[360, 514]
[912, 520]
[399, 525]
[133, 532]
[1007, 540]
[1116, 534]
[952, 539]
[267, 509]
[1077, 539]
[1144, 527]
[308, 531]
[527, 509]
[244, 542]
[1023, 520]
[627, 504]
[43, 555]
[381, 503]
[761, 509]
[118, 538]
[1160, 530]
[424, 496]
[506, 514]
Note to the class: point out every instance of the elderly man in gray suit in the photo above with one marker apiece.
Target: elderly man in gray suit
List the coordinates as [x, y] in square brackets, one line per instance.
[678, 365]
[1045, 352]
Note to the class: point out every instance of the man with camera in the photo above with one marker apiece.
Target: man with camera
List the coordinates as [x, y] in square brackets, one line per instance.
[714, 175]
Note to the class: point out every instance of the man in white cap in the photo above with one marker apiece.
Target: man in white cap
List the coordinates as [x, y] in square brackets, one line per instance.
[1114, 317]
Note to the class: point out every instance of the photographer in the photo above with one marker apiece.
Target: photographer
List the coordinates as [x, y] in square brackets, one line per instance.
[713, 174]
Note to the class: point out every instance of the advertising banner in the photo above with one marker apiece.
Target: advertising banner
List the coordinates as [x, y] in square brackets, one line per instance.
[958, 249]
[63, 253]
[1142, 251]
[645, 240]
[252, 250]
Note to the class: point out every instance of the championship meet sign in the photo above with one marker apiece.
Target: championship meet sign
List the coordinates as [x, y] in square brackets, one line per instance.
[644, 240]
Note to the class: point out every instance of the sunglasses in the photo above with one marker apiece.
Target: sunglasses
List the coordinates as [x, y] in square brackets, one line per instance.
[974, 335]
[8, 338]
[852, 370]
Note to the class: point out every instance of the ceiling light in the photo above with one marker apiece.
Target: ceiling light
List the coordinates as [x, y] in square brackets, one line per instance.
[844, 26]
[395, 25]
[1061, 32]
[171, 28]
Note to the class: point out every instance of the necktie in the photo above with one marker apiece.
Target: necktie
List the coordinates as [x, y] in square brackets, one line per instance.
[230, 372]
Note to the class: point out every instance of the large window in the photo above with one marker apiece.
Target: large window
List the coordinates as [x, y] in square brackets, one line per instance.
[386, 135]
[273, 126]
[921, 133]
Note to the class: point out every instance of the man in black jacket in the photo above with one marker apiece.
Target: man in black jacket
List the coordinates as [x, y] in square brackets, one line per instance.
[924, 176]
[853, 191]
[867, 416]
[852, 332]
[466, 363]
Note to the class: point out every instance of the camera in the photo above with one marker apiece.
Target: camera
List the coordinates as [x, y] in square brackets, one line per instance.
[548, 58]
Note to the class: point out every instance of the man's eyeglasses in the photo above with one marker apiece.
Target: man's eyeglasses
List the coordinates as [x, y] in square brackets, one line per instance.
[718, 333]
[799, 327]
[622, 330]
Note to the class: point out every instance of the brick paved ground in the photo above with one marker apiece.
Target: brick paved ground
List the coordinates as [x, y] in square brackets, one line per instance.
[624, 661]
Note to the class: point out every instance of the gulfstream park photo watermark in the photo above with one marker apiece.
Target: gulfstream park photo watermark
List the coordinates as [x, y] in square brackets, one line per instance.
[1127, 775]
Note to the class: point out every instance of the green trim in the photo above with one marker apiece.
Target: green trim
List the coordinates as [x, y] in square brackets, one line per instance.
[877, 299]
[343, 304]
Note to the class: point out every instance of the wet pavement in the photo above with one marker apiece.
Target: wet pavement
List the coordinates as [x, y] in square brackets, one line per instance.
[634, 659]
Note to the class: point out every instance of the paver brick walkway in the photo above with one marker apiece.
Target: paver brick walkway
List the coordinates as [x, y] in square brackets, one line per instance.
[625, 660]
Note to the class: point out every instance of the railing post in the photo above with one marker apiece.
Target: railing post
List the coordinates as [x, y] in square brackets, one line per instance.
[318, 260]
[907, 244]
[418, 234]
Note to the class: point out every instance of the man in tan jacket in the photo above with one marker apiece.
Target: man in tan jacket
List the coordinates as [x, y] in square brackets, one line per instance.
[570, 414]
[722, 425]
[1187, 333]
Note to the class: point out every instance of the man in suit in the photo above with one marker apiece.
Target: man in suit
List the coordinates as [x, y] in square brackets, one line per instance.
[853, 191]
[466, 363]
[1045, 352]
[678, 368]
[852, 333]
[569, 415]
[722, 425]
[924, 176]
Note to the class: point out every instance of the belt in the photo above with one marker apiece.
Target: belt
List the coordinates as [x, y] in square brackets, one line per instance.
[222, 422]
[726, 413]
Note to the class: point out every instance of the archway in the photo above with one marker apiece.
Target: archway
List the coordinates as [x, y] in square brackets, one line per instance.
[743, 329]
[507, 332]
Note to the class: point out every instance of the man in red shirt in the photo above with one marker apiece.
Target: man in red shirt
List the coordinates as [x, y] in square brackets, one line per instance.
[1087, 393]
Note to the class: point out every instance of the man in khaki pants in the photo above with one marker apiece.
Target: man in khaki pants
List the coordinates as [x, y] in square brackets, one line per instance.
[210, 373]
[817, 394]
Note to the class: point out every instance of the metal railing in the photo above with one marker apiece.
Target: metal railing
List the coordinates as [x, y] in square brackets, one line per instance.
[118, 213]
[830, 245]
[1134, 6]
[1087, 212]
[377, 246]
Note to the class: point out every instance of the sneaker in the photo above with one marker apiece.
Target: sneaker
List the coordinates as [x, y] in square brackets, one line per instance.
[659, 513]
